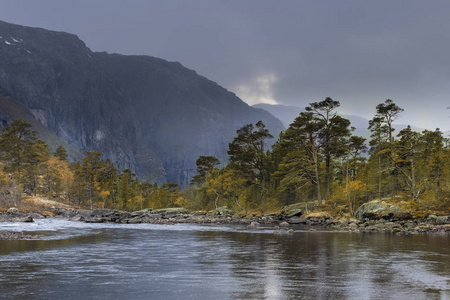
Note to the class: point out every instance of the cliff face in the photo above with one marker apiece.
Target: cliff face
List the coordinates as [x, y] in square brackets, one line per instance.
[144, 113]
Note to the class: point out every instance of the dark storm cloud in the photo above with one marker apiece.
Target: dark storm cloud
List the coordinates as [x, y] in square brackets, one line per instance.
[289, 52]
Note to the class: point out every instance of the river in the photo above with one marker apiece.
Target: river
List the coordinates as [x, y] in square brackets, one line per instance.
[111, 261]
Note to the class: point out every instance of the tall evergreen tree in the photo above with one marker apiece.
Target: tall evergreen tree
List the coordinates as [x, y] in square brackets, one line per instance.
[16, 146]
[303, 137]
[388, 112]
[333, 134]
[60, 153]
[125, 189]
[406, 161]
[90, 169]
[205, 165]
[247, 151]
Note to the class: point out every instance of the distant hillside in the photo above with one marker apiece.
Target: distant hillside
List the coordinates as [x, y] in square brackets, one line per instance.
[9, 111]
[144, 113]
[287, 115]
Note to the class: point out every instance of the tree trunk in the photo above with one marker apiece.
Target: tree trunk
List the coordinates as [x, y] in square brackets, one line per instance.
[413, 181]
[316, 169]
[327, 176]
[379, 177]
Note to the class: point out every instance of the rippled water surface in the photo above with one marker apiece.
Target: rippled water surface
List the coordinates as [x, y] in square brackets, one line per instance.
[109, 261]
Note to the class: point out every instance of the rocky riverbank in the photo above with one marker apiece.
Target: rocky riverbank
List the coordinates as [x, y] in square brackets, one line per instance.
[15, 215]
[372, 218]
[16, 235]
[404, 224]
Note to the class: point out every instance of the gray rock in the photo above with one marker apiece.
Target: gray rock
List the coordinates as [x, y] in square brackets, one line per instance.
[136, 220]
[294, 213]
[153, 216]
[376, 210]
[353, 225]
[141, 212]
[13, 210]
[254, 225]
[297, 220]
[94, 220]
[284, 224]
[78, 218]
[170, 211]
[441, 220]
[293, 210]
[28, 219]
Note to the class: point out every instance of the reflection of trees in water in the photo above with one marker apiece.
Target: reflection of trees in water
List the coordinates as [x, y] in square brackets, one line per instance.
[319, 265]
[273, 266]
[7, 246]
[27, 269]
[231, 265]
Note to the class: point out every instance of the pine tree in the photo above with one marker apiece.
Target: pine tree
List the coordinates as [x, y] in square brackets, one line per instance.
[247, 152]
[303, 137]
[205, 165]
[60, 153]
[387, 113]
[89, 171]
[335, 130]
[406, 161]
[16, 146]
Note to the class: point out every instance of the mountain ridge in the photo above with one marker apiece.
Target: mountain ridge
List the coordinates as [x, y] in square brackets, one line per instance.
[147, 114]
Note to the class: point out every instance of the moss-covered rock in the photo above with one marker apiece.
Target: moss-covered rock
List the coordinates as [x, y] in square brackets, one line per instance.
[293, 210]
[379, 209]
[171, 211]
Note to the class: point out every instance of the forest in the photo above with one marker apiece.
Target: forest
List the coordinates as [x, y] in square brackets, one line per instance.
[316, 161]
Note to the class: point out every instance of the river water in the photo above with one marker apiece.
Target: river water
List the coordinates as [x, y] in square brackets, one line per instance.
[111, 261]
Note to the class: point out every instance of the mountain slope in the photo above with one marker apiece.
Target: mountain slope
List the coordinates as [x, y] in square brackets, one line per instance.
[144, 113]
[10, 111]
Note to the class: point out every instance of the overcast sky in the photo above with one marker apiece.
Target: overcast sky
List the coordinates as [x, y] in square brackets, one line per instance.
[288, 52]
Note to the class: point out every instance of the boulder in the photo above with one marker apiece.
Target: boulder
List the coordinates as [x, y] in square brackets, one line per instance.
[297, 220]
[103, 212]
[153, 216]
[376, 210]
[77, 218]
[135, 220]
[28, 219]
[438, 220]
[284, 224]
[171, 211]
[294, 210]
[13, 210]
[141, 212]
[94, 220]
[253, 225]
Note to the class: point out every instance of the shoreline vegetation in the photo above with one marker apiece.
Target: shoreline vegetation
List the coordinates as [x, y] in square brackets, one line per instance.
[316, 174]
[375, 216]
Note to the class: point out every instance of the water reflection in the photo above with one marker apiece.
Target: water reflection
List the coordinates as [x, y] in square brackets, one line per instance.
[325, 265]
[39, 245]
[225, 263]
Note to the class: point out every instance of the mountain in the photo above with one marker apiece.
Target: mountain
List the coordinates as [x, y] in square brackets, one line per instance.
[147, 114]
[287, 115]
